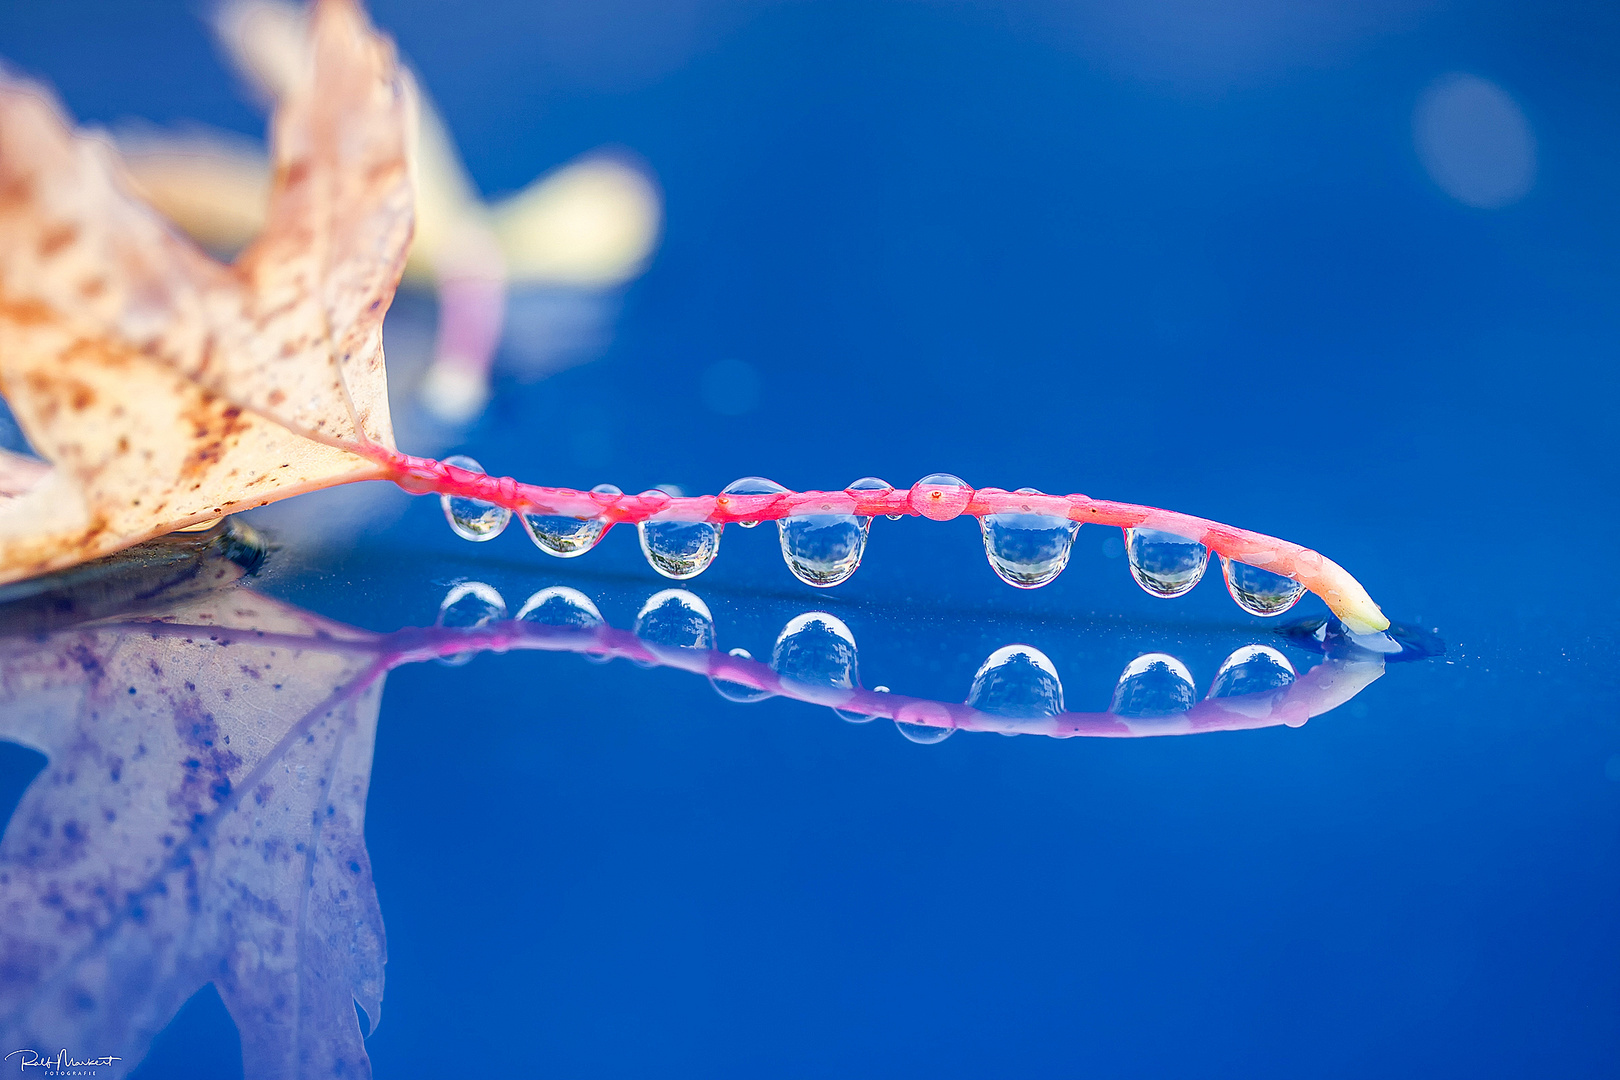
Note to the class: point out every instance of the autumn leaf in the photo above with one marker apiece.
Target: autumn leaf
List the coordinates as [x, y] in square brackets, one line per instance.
[200, 819]
[166, 388]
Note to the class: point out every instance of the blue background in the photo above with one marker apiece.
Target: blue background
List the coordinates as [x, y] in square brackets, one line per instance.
[1141, 251]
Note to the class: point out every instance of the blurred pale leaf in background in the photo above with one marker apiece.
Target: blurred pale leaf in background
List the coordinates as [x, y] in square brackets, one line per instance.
[589, 226]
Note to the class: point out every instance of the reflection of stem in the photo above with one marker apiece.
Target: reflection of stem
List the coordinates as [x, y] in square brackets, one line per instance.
[1321, 689]
[1321, 575]
[1324, 687]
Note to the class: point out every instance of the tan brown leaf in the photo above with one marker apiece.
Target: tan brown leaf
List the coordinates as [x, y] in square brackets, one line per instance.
[164, 387]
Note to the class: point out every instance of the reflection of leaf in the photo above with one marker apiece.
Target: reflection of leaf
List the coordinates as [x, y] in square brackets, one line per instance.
[167, 388]
[200, 820]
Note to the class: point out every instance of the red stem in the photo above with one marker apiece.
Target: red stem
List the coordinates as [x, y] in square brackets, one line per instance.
[1321, 575]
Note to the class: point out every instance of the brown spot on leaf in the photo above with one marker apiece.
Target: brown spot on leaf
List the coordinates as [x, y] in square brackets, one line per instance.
[54, 239]
[214, 423]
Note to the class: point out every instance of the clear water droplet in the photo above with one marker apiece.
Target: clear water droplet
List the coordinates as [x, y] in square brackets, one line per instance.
[1260, 592]
[567, 537]
[561, 607]
[874, 483]
[675, 619]
[925, 722]
[1154, 684]
[472, 519]
[1165, 563]
[468, 606]
[817, 651]
[752, 485]
[823, 549]
[741, 693]
[1019, 682]
[1025, 549]
[940, 496]
[1253, 669]
[679, 549]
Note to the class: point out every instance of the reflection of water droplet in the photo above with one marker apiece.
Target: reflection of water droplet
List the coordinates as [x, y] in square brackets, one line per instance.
[675, 619]
[1163, 563]
[856, 717]
[468, 606]
[1026, 549]
[1253, 669]
[940, 496]
[566, 537]
[1155, 684]
[823, 549]
[562, 607]
[679, 549]
[925, 722]
[472, 519]
[741, 693]
[1260, 592]
[1017, 681]
[752, 485]
[817, 650]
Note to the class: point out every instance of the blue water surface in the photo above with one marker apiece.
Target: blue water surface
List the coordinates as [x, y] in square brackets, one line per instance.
[1147, 251]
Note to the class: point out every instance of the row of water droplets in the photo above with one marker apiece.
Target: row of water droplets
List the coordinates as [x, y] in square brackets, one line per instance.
[817, 652]
[1025, 548]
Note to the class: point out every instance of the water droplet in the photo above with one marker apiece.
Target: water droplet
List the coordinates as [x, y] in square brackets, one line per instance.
[679, 549]
[753, 485]
[1017, 681]
[675, 619]
[874, 483]
[741, 693]
[1155, 684]
[561, 607]
[1260, 592]
[817, 651]
[472, 519]
[1401, 642]
[823, 549]
[1165, 563]
[925, 722]
[566, 537]
[1253, 669]
[1027, 549]
[870, 483]
[468, 606]
[940, 496]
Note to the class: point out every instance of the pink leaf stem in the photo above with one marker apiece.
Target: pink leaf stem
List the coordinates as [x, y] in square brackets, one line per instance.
[1342, 593]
